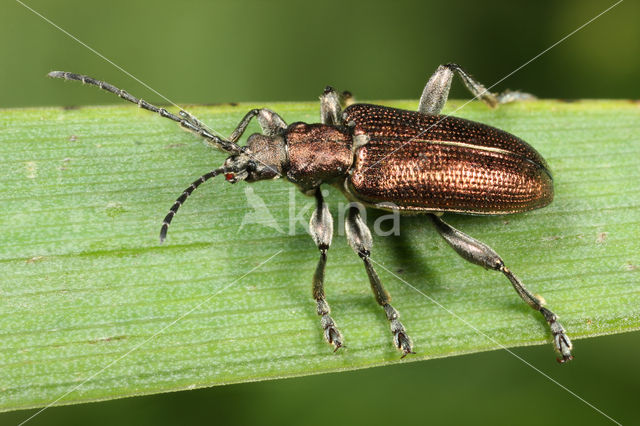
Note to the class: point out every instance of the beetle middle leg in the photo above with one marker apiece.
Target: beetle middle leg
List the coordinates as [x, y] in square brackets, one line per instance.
[360, 240]
[479, 253]
[321, 228]
[436, 92]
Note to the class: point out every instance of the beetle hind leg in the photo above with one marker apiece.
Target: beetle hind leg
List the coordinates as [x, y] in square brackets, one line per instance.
[321, 228]
[479, 253]
[436, 92]
[360, 240]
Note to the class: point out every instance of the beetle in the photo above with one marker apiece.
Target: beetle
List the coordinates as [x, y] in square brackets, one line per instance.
[386, 158]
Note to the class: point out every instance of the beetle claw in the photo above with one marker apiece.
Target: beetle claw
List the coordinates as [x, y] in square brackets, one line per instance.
[331, 333]
[564, 359]
[334, 337]
[401, 339]
[403, 342]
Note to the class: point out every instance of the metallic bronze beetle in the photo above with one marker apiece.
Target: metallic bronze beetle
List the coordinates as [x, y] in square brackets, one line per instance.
[391, 159]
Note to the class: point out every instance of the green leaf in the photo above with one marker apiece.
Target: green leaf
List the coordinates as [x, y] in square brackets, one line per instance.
[92, 307]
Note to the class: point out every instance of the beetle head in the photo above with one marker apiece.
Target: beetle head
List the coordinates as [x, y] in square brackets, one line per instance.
[262, 158]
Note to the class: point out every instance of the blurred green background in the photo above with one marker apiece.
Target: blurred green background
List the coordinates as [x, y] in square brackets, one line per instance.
[212, 51]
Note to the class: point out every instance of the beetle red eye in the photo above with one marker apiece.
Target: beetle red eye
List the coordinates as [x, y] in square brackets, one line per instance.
[229, 176]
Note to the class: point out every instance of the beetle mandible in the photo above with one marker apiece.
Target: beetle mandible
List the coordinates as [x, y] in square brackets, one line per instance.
[417, 162]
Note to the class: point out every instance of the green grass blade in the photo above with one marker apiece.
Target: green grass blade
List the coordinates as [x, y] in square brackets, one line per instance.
[85, 280]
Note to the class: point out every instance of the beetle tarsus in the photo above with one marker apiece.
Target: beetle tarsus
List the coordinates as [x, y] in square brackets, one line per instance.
[401, 339]
[561, 341]
[509, 96]
[331, 333]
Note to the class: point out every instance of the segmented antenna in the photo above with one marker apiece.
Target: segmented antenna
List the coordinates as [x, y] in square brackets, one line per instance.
[187, 121]
[182, 198]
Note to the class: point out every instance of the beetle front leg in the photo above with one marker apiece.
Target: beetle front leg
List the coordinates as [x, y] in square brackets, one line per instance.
[360, 240]
[321, 228]
[479, 253]
[270, 122]
[436, 92]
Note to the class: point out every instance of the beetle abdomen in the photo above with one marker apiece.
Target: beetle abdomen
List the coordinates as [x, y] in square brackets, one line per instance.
[425, 162]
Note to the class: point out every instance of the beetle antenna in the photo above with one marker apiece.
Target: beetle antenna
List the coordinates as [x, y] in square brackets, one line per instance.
[186, 120]
[182, 198]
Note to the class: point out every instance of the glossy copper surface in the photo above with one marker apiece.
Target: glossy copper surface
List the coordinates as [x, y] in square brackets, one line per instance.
[317, 153]
[436, 163]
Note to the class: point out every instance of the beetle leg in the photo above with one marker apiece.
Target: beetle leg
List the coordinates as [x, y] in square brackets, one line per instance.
[360, 240]
[514, 96]
[321, 228]
[479, 253]
[436, 92]
[270, 122]
[330, 110]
